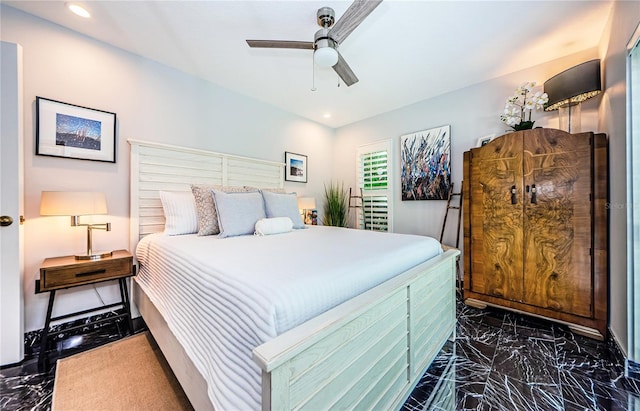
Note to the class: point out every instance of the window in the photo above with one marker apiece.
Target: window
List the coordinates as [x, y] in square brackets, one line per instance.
[633, 194]
[373, 180]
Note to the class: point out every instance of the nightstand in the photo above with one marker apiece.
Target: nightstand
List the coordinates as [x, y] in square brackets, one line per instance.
[59, 273]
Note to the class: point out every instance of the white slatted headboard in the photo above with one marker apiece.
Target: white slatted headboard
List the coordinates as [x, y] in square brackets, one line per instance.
[156, 167]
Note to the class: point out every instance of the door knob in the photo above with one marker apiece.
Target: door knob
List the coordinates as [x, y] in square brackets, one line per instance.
[5, 220]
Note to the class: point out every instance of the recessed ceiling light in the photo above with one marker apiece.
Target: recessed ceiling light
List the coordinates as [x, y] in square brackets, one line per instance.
[327, 115]
[78, 10]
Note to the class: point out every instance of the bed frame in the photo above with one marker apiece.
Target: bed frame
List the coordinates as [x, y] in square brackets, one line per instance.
[366, 353]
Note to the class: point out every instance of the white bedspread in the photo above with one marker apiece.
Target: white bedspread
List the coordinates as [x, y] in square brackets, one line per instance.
[223, 297]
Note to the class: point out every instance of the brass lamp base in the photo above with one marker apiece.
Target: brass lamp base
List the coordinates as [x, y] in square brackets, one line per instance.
[90, 255]
[96, 256]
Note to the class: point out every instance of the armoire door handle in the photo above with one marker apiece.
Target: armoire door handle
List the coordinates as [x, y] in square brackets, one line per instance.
[534, 200]
[513, 195]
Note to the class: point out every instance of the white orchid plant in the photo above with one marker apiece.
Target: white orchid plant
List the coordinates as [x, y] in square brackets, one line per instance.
[521, 103]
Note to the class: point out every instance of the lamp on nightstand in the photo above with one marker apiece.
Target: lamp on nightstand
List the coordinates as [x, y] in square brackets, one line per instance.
[308, 207]
[76, 204]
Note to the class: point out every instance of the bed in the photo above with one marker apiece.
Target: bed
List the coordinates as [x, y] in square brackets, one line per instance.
[364, 347]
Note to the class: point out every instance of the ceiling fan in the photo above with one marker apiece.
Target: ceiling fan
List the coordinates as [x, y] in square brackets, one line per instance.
[327, 39]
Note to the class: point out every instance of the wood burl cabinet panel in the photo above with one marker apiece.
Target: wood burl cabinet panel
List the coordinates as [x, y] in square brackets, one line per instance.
[535, 224]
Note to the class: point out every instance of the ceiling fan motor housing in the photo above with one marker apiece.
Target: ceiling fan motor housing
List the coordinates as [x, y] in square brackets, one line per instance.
[326, 17]
[322, 39]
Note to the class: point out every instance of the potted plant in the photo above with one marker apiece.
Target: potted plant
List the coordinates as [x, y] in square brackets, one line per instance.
[336, 205]
[521, 103]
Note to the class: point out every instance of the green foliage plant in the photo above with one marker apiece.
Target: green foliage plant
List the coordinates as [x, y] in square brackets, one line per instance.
[336, 205]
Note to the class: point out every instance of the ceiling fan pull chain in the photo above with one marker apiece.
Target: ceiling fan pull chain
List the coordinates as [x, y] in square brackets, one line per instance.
[313, 75]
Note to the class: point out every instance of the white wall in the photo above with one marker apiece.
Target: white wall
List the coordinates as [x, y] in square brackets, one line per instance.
[472, 112]
[623, 20]
[152, 102]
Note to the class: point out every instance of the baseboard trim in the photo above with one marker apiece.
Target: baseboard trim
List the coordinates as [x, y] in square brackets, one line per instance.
[632, 370]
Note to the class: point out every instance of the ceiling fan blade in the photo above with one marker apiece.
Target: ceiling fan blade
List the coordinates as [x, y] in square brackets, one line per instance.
[280, 44]
[344, 71]
[352, 18]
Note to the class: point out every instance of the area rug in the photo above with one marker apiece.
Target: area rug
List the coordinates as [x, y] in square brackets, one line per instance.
[129, 374]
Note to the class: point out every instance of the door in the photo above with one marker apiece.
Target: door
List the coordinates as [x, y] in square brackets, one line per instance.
[496, 213]
[11, 184]
[557, 221]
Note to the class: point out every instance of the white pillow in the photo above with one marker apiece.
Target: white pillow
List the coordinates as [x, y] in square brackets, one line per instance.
[238, 212]
[180, 213]
[277, 225]
[283, 205]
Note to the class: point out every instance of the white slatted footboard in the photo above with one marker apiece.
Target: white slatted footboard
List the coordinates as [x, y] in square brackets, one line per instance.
[367, 353]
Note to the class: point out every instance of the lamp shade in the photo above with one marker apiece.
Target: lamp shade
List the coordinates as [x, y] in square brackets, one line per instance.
[72, 203]
[306, 203]
[573, 85]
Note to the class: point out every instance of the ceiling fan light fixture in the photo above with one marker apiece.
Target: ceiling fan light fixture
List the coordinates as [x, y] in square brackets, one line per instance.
[328, 38]
[325, 57]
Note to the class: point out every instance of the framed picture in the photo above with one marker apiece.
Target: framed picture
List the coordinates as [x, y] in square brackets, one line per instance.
[311, 217]
[426, 164]
[484, 140]
[67, 130]
[295, 167]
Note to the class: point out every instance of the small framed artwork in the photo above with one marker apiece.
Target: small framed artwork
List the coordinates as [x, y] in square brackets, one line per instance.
[311, 217]
[485, 140]
[67, 130]
[295, 167]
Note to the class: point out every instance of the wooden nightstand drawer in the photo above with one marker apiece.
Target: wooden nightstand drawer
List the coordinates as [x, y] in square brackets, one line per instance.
[63, 272]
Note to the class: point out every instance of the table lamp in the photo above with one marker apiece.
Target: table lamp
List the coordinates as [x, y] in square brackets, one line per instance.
[76, 204]
[567, 90]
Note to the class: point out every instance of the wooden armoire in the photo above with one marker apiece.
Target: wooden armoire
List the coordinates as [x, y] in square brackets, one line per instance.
[535, 226]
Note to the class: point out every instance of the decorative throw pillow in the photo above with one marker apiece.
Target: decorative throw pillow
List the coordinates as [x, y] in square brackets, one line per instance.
[270, 189]
[181, 216]
[207, 216]
[238, 212]
[277, 225]
[282, 205]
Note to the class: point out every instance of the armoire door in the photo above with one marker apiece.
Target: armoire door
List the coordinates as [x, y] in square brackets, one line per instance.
[557, 221]
[496, 213]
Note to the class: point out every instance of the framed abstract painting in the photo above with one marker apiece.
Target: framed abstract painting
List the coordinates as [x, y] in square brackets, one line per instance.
[426, 164]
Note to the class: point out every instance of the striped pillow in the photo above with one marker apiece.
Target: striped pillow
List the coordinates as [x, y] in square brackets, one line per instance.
[180, 213]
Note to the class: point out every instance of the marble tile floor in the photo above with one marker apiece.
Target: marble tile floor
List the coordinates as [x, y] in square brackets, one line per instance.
[507, 361]
[28, 387]
[500, 361]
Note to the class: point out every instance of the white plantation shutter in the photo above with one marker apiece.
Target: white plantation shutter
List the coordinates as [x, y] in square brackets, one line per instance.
[373, 161]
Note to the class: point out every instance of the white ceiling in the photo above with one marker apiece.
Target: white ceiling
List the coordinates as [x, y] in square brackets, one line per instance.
[404, 52]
